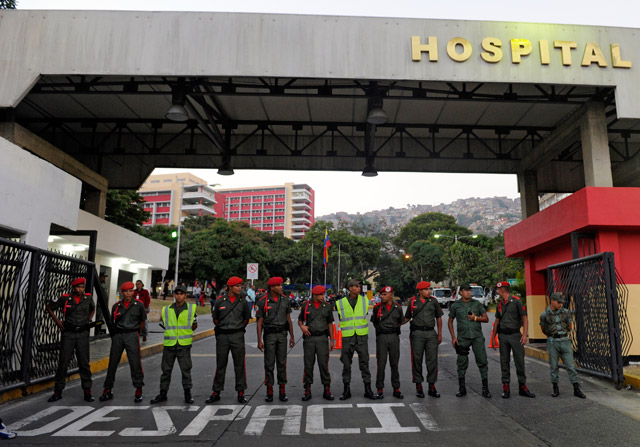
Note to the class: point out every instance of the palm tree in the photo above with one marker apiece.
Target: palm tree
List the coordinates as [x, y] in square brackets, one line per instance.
[7, 4]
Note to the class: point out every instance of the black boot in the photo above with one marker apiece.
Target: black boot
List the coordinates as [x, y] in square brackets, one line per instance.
[137, 397]
[380, 394]
[485, 389]
[57, 395]
[327, 393]
[524, 391]
[241, 398]
[283, 393]
[419, 390]
[106, 395]
[368, 392]
[215, 397]
[188, 398]
[162, 397]
[506, 392]
[397, 393]
[269, 396]
[346, 393]
[88, 397]
[556, 390]
[307, 392]
[577, 392]
[432, 390]
[462, 388]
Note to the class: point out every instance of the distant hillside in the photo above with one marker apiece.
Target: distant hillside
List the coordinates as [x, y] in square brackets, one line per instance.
[489, 216]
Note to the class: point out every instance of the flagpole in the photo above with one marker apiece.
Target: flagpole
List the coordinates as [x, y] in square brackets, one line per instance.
[338, 267]
[311, 280]
[325, 275]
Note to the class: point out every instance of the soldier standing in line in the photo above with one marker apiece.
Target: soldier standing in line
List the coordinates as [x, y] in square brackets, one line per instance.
[352, 311]
[231, 314]
[315, 321]
[556, 324]
[141, 294]
[470, 315]
[128, 316]
[179, 320]
[274, 317]
[387, 318]
[510, 316]
[425, 313]
[77, 311]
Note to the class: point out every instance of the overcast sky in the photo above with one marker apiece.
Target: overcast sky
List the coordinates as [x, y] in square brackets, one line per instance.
[387, 189]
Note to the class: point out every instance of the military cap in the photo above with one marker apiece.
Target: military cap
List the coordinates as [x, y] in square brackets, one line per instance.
[503, 284]
[182, 289]
[234, 281]
[465, 286]
[387, 289]
[423, 285]
[318, 290]
[353, 282]
[558, 296]
[127, 286]
[275, 281]
[78, 281]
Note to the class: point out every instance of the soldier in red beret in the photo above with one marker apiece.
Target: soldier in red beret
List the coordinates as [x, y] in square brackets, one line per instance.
[77, 312]
[425, 314]
[231, 314]
[274, 316]
[128, 316]
[387, 317]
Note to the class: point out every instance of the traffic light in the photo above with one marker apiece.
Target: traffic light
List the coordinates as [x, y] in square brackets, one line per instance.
[174, 234]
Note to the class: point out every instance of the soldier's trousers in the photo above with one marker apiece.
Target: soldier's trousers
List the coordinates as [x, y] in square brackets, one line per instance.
[387, 345]
[233, 343]
[316, 346]
[561, 347]
[480, 354]
[424, 344]
[169, 356]
[275, 353]
[508, 343]
[121, 341]
[70, 342]
[359, 344]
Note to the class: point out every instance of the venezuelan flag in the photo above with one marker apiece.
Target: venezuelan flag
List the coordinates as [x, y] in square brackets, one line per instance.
[327, 244]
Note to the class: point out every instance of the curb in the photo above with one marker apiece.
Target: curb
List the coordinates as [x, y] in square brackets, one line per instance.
[632, 379]
[97, 366]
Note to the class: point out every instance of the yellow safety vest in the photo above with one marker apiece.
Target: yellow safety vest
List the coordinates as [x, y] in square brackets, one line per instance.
[353, 320]
[178, 329]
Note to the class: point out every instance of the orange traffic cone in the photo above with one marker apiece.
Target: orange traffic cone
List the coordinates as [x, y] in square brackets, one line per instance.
[338, 335]
[491, 341]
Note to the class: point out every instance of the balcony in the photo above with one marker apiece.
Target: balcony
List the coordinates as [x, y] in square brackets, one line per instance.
[300, 206]
[197, 195]
[300, 220]
[197, 209]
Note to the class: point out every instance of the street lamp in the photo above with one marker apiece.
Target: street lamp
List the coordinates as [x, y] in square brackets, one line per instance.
[455, 237]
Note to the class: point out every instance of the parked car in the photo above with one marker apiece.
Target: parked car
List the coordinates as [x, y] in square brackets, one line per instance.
[443, 295]
[477, 293]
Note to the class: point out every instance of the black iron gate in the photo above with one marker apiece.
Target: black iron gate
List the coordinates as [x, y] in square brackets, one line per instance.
[29, 339]
[597, 297]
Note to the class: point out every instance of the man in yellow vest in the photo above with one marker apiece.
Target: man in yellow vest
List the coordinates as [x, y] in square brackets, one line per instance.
[352, 311]
[179, 320]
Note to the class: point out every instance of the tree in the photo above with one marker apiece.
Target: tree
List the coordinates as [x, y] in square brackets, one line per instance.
[425, 226]
[427, 261]
[125, 208]
[7, 4]
[469, 264]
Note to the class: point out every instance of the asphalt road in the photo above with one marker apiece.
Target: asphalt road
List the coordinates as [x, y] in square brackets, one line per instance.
[606, 417]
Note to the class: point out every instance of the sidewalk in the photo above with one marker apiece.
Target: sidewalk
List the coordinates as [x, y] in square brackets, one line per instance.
[99, 354]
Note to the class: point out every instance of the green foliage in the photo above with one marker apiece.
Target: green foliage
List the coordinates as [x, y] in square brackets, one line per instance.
[427, 261]
[468, 264]
[125, 208]
[425, 226]
[7, 4]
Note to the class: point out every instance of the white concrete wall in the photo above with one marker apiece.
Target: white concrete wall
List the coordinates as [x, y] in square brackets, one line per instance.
[34, 194]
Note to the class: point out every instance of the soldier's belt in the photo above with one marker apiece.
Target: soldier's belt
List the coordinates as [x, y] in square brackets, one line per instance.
[219, 331]
[508, 331]
[421, 328]
[319, 333]
[387, 332]
[560, 337]
[72, 328]
[274, 329]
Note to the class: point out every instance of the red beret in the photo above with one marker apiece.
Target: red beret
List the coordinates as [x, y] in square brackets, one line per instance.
[387, 289]
[503, 284]
[127, 286]
[234, 281]
[275, 281]
[423, 285]
[318, 290]
[78, 281]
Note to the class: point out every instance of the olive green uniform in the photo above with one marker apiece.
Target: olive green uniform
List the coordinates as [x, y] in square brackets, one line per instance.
[317, 344]
[126, 321]
[423, 337]
[470, 335]
[179, 352]
[387, 324]
[75, 337]
[556, 325]
[275, 328]
[510, 313]
[350, 345]
[230, 337]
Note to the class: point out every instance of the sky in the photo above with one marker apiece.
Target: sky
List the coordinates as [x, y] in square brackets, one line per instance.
[387, 189]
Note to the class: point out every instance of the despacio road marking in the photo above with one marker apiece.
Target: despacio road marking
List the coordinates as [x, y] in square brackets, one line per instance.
[291, 420]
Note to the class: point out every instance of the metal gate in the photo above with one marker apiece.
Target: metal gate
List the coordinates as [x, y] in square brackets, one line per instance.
[597, 298]
[29, 339]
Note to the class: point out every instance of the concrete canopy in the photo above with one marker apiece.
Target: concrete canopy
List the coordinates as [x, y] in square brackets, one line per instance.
[293, 92]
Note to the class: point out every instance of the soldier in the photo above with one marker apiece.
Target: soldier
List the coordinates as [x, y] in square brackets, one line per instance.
[470, 315]
[77, 311]
[141, 294]
[316, 322]
[274, 316]
[387, 318]
[179, 320]
[128, 316]
[231, 314]
[556, 324]
[425, 313]
[510, 316]
[352, 311]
